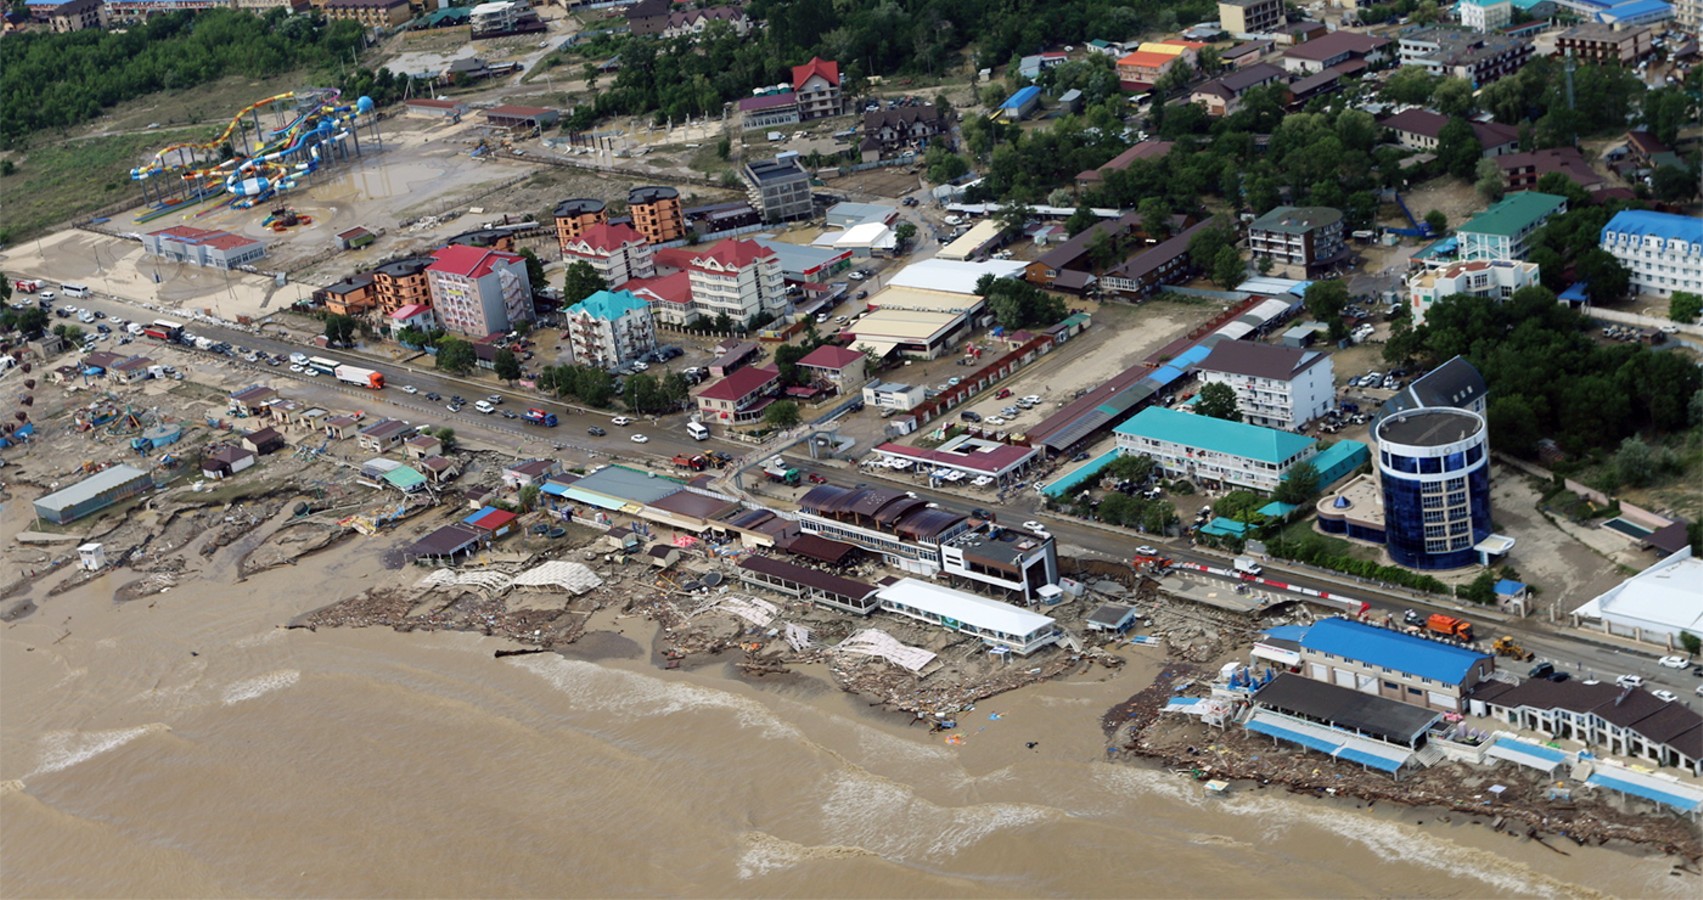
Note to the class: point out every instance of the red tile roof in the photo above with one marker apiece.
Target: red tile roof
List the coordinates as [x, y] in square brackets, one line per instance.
[829, 356]
[604, 236]
[830, 71]
[741, 383]
[734, 254]
[675, 288]
[469, 262]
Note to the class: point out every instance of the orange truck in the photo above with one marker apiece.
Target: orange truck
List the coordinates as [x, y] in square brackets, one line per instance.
[1449, 626]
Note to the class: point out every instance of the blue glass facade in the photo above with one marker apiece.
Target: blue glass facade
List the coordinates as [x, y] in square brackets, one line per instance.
[1433, 523]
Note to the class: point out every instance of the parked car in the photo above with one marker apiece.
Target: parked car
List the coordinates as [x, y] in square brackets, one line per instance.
[622, 420]
[596, 431]
[1668, 696]
[970, 416]
[1674, 662]
[1630, 681]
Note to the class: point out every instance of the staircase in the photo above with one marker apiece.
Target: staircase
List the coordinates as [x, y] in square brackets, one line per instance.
[1429, 755]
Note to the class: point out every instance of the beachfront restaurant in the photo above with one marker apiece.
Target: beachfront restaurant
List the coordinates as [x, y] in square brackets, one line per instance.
[825, 588]
[1003, 627]
[1344, 724]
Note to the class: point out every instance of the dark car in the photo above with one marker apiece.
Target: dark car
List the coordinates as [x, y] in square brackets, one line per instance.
[103, 328]
[1080, 456]
[433, 396]
[596, 431]
[969, 416]
[983, 514]
[1559, 677]
[1542, 670]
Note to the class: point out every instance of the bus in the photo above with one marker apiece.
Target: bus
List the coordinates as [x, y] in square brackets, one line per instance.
[323, 365]
[175, 329]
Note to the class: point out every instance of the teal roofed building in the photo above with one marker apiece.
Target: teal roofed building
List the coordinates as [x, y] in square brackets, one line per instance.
[1504, 230]
[1214, 451]
[610, 329]
[1340, 460]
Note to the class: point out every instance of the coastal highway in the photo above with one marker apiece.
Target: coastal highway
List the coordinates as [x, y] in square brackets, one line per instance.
[1583, 655]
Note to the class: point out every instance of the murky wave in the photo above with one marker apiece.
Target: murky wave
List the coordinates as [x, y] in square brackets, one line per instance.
[61, 750]
[260, 685]
[594, 687]
[889, 819]
[765, 853]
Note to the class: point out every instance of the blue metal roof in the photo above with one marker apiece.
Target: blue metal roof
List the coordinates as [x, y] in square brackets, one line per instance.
[1021, 98]
[1067, 482]
[1643, 223]
[1164, 375]
[1640, 10]
[1296, 737]
[1648, 792]
[608, 305]
[1383, 647]
[1381, 763]
[1509, 586]
[1240, 439]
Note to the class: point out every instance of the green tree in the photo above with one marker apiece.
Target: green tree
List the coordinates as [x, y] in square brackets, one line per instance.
[527, 497]
[456, 356]
[782, 414]
[412, 336]
[507, 366]
[5, 286]
[1228, 270]
[1559, 184]
[943, 165]
[1439, 223]
[70, 333]
[580, 282]
[340, 330]
[1326, 301]
[724, 148]
[1119, 509]
[1489, 182]
[1672, 184]
[1300, 487]
[1155, 218]
[642, 393]
[1410, 85]
[1690, 643]
[1634, 462]
[1606, 280]
[1685, 307]
[1481, 590]
[1218, 401]
[905, 233]
[1081, 220]
[1458, 148]
[446, 436]
[1206, 244]
[534, 269]
[1453, 98]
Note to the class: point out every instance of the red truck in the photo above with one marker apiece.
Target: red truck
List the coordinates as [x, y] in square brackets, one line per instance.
[695, 463]
[26, 285]
[1449, 626]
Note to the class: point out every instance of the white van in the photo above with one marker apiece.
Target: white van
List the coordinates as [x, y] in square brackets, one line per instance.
[698, 430]
[485, 407]
[134, 328]
[75, 290]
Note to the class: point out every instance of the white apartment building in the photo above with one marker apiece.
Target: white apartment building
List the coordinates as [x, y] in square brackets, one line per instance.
[1486, 15]
[1214, 451]
[740, 278]
[1663, 251]
[478, 292]
[618, 253]
[1498, 278]
[817, 86]
[1278, 387]
[609, 329]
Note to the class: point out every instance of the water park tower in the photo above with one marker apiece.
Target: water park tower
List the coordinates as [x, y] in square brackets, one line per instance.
[268, 147]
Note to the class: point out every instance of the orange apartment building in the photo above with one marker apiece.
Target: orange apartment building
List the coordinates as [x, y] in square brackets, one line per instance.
[400, 283]
[574, 217]
[657, 213]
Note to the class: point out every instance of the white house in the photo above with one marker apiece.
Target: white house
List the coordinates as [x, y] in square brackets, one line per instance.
[1657, 604]
[1498, 278]
[609, 329]
[618, 253]
[1279, 387]
[1663, 251]
[1201, 448]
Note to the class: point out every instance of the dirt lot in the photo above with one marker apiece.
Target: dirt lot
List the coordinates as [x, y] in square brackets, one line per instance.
[889, 182]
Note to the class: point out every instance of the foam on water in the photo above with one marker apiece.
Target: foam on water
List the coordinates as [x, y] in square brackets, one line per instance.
[1392, 841]
[889, 819]
[260, 685]
[765, 853]
[11, 786]
[61, 750]
[594, 687]
[258, 640]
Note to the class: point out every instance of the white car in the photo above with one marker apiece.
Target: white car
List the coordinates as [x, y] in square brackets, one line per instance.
[1033, 525]
[640, 365]
[311, 372]
[1674, 662]
[1033, 399]
[1668, 696]
[1626, 681]
[954, 220]
[410, 389]
[993, 420]
[295, 367]
[639, 439]
[622, 420]
[1145, 550]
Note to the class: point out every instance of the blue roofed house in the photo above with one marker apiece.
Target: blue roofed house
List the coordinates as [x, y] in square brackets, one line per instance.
[1201, 448]
[1018, 106]
[1662, 251]
[1636, 12]
[1387, 663]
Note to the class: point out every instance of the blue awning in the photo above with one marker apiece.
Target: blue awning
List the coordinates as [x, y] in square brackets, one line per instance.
[1381, 763]
[1296, 737]
[1643, 789]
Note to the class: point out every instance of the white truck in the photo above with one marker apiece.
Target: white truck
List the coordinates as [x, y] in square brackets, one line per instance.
[1247, 566]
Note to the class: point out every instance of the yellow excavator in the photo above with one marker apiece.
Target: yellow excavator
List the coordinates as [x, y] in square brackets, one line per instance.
[1505, 646]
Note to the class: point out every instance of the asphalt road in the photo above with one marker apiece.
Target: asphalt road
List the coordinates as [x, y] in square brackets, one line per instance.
[1567, 648]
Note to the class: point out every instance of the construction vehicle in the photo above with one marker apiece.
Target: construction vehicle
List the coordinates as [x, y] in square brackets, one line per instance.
[1151, 565]
[695, 463]
[1449, 626]
[537, 416]
[778, 471]
[1505, 646]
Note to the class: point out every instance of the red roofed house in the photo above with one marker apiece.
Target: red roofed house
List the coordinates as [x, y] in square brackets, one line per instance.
[741, 397]
[478, 292]
[200, 247]
[739, 278]
[491, 521]
[837, 366]
[617, 252]
[1143, 150]
[1418, 129]
[669, 296]
[817, 86]
[414, 315]
[1146, 67]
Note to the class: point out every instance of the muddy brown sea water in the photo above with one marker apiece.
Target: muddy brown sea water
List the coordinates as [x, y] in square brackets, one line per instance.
[185, 745]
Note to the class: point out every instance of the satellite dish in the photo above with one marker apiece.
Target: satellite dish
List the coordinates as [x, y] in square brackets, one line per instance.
[712, 579]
